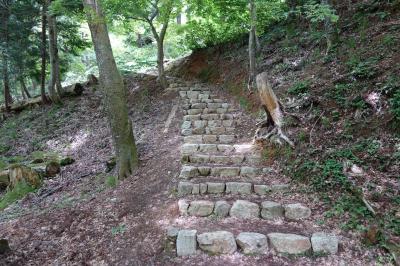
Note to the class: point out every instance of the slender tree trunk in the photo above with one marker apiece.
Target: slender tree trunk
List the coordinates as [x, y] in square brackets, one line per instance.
[34, 85]
[251, 85]
[114, 90]
[43, 54]
[24, 96]
[53, 93]
[179, 19]
[6, 82]
[160, 63]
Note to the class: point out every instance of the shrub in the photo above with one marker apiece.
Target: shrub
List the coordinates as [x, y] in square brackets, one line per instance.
[300, 87]
[395, 105]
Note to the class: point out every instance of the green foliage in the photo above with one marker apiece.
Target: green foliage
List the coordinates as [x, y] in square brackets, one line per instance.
[299, 87]
[118, 230]
[391, 85]
[395, 105]
[111, 181]
[362, 69]
[18, 192]
[318, 13]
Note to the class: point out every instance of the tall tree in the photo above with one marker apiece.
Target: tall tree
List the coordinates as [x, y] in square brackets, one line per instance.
[251, 85]
[114, 91]
[43, 54]
[5, 16]
[54, 61]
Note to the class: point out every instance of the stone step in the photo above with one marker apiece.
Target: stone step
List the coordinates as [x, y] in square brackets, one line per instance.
[188, 171]
[186, 103]
[209, 117]
[233, 188]
[206, 105]
[209, 139]
[207, 131]
[243, 209]
[208, 123]
[239, 159]
[209, 111]
[251, 243]
[226, 149]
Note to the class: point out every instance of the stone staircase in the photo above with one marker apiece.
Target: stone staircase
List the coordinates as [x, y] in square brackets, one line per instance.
[223, 183]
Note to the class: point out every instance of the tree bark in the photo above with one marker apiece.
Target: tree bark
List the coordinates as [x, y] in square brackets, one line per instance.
[24, 88]
[22, 91]
[43, 54]
[6, 81]
[252, 47]
[328, 29]
[53, 93]
[114, 90]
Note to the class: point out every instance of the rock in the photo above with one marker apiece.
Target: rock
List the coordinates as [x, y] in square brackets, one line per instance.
[254, 158]
[225, 148]
[252, 243]
[238, 188]
[199, 158]
[356, 170]
[297, 211]
[214, 123]
[261, 189]
[199, 106]
[208, 148]
[219, 242]
[215, 188]
[190, 148]
[228, 123]
[185, 188]
[194, 111]
[245, 209]
[203, 188]
[237, 159]
[271, 210]
[195, 139]
[4, 247]
[21, 173]
[210, 138]
[249, 171]
[222, 208]
[210, 117]
[289, 243]
[225, 171]
[216, 130]
[221, 159]
[196, 189]
[186, 243]
[201, 208]
[225, 139]
[279, 188]
[192, 94]
[186, 125]
[204, 171]
[188, 172]
[324, 243]
[67, 161]
[172, 233]
[183, 206]
[191, 117]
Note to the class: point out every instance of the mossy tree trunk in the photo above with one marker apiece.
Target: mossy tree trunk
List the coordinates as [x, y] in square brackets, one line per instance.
[5, 15]
[114, 91]
[251, 85]
[43, 55]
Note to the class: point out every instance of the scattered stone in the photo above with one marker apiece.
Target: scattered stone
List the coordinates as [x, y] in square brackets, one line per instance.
[324, 243]
[185, 188]
[252, 243]
[249, 171]
[186, 243]
[222, 208]
[219, 242]
[201, 208]
[289, 243]
[183, 206]
[215, 188]
[238, 188]
[297, 211]
[188, 172]
[261, 189]
[271, 210]
[245, 210]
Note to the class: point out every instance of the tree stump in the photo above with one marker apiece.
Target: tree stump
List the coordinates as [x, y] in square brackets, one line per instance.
[21, 173]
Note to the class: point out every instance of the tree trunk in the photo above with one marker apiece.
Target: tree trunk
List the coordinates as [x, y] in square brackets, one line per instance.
[43, 54]
[22, 91]
[24, 88]
[179, 19]
[6, 81]
[252, 47]
[160, 63]
[114, 90]
[53, 93]
[328, 29]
